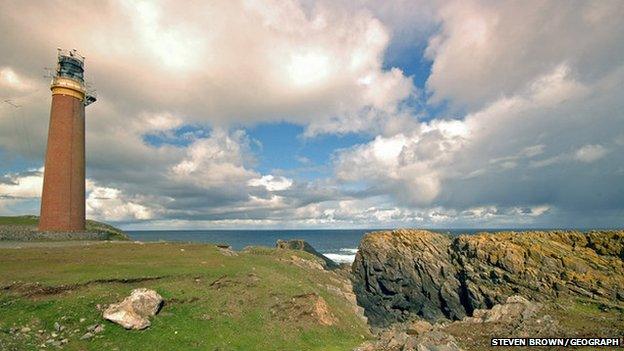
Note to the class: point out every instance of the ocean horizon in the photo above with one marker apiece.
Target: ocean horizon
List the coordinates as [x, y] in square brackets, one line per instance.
[340, 245]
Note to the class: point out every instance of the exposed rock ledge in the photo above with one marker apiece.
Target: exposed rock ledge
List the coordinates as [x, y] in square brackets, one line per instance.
[302, 245]
[402, 274]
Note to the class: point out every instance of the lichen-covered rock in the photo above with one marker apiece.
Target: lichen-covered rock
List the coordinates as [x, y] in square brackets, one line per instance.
[134, 311]
[538, 265]
[402, 274]
[302, 245]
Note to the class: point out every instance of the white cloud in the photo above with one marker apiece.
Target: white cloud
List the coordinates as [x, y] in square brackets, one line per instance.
[271, 183]
[215, 161]
[110, 204]
[590, 153]
[14, 84]
[408, 166]
[27, 185]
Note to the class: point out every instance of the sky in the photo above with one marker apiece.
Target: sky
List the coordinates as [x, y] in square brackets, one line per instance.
[233, 114]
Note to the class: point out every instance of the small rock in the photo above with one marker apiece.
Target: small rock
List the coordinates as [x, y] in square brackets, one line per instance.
[227, 251]
[98, 329]
[58, 327]
[25, 330]
[64, 341]
[56, 343]
[86, 336]
[54, 335]
[134, 311]
[82, 320]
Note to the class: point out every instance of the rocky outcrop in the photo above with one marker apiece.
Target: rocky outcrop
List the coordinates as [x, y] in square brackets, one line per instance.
[416, 336]
[402, 274]
[134, 311]
[515, 309]
[302, 245]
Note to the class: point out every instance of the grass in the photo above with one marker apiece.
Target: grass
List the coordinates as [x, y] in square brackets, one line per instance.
[213, 302]
[91, 225]
[19, 220]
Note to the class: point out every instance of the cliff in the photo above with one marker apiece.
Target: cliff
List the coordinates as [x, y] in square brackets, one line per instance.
[402, 274]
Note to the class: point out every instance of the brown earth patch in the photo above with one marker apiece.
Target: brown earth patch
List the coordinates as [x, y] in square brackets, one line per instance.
[34, 290]
[306, 309]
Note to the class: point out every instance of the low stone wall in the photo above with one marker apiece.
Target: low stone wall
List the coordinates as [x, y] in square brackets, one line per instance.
[29, 233]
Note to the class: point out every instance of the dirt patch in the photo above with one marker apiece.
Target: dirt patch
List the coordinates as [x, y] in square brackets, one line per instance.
[34, 290]
[222, 282]
[307, 309]
[250, 280]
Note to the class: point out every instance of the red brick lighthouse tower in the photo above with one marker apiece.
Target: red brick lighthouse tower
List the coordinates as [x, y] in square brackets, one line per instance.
[63, 197]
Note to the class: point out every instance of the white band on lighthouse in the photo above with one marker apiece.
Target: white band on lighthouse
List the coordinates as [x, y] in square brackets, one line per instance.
[67, 86]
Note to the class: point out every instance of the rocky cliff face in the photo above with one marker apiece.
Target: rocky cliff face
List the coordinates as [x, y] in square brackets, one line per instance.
[402, 274]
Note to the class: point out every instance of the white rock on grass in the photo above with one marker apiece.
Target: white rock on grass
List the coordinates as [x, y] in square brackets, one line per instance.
[134, 311]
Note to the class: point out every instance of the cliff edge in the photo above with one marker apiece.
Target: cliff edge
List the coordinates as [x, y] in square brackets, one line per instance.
[402, 274]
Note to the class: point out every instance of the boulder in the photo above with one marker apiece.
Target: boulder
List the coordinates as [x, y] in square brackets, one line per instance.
[515, 309]
[134, 311]
[302, 245]
[405, 274]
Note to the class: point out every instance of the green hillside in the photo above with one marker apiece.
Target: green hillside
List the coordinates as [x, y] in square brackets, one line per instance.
[259, 299]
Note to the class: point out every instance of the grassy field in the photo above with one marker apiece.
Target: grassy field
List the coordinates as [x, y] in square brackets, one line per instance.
[212, 301]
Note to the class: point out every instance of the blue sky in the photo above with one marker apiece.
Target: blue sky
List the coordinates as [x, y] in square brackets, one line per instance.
[328, 114]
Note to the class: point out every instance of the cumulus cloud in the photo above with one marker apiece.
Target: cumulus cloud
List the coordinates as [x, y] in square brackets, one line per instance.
[111, 204]
[501, 154]
[220, 62]
[533, 132]
[484, 51]
[409, 166]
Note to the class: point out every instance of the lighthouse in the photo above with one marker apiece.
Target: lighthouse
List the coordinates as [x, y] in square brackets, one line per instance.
[63, 196]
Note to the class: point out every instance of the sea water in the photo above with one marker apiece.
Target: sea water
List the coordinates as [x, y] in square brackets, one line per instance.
[339, 245]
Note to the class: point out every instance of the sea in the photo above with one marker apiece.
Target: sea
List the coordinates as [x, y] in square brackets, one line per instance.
[338, 245]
